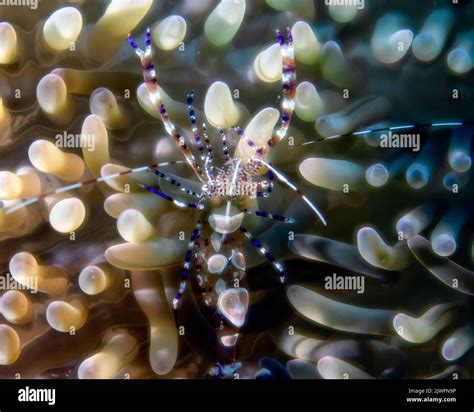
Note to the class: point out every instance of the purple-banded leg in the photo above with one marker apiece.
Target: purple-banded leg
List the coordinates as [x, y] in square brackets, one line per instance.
[225, 149]
[271, 216]
[265, 253]
[77, 185]
[207, 141]
[149, 75]
[175, 182]
[187, 265]
[282, 178]
[179, 203]
[289, 83]
[192, 117]
[208, 163]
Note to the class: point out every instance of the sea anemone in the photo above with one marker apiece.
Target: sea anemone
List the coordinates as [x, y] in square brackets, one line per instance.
[94, 193]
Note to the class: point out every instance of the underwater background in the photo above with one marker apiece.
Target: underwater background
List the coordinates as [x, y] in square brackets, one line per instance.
[380, 141]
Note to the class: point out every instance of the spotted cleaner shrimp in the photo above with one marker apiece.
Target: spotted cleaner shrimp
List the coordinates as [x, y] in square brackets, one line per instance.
[215, 247]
